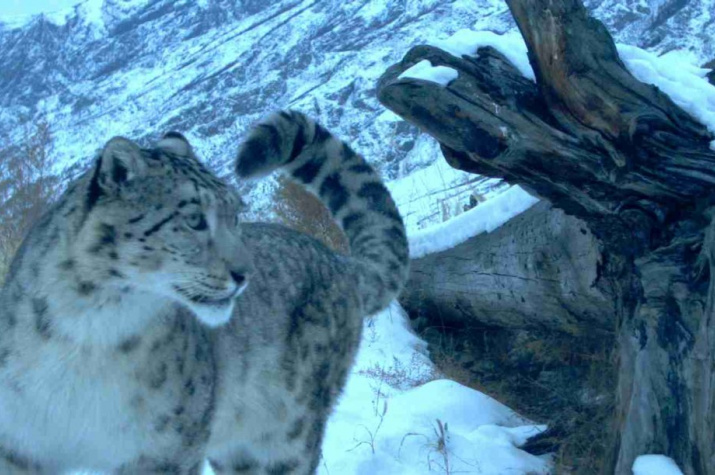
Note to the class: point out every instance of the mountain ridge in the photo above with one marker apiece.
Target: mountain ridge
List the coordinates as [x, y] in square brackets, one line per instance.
[211, 68]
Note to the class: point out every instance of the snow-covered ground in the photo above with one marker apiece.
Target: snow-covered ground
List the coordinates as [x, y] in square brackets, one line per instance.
[438, 192]
[655, 465]
[398, 416]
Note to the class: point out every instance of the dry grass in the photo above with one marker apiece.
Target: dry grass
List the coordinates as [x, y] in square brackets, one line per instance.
[27, 187]
[399, 375]
[299, 209]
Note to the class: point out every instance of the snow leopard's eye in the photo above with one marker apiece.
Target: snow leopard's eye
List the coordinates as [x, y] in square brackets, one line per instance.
[196, 221]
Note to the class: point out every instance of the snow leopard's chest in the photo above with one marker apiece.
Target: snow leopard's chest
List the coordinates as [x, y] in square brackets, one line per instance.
[73, 406]
[106, 408]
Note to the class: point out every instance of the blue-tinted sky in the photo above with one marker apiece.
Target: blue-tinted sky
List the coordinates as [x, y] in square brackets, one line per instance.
[24, 7]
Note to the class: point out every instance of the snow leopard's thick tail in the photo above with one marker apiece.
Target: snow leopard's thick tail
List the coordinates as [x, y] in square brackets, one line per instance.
[349, 187]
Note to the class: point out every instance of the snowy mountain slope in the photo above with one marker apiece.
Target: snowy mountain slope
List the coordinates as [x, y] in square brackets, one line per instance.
[656, 25]
[210, 68]
[662, 25]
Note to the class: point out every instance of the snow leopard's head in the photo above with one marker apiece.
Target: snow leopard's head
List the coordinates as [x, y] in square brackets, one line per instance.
[161, 222]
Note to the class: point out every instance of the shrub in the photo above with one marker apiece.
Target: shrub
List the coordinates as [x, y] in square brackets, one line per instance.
[297, 208]
[27, 186]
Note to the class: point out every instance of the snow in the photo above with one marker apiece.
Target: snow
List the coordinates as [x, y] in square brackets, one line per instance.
[424, 70]
[675, 74]
[438, 192]
[57, 17]
[466, 43]
[395, 415]
[89, 11]
[12, 22]
[655, 465]
[485, 217]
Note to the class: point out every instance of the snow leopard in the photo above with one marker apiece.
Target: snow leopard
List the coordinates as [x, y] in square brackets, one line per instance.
[144, 328]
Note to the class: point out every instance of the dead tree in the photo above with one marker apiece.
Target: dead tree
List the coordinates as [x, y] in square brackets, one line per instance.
[622, 157]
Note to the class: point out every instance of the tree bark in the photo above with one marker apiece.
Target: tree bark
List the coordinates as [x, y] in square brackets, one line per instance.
[711, 75]
[539, 271]
[621, 156]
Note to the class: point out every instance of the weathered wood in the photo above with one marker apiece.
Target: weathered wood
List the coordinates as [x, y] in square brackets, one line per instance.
[711, 75]
[622, 157]
[538, 271]
[666, 378]
[495, 122]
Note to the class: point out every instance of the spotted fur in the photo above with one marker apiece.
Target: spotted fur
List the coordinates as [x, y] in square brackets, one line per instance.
[350, 188]
[143, 329]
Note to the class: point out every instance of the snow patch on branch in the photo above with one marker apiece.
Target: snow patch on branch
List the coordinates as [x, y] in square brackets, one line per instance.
[675, 74]
[424, 70]
[486, 217]
[466, 43]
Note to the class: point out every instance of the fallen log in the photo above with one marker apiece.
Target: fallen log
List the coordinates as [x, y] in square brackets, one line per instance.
[538, 271]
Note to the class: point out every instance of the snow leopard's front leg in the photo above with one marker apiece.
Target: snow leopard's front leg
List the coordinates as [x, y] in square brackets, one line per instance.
[147, 465]
[245, 462]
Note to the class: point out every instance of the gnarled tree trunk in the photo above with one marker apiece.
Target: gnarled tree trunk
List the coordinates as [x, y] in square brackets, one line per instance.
[711, 75]
[621, 156]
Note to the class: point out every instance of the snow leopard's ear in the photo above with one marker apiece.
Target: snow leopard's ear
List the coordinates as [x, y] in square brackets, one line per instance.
[120, 162]
[174, 142]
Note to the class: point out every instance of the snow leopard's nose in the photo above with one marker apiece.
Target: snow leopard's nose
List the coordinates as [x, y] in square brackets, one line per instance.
[238, 277]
